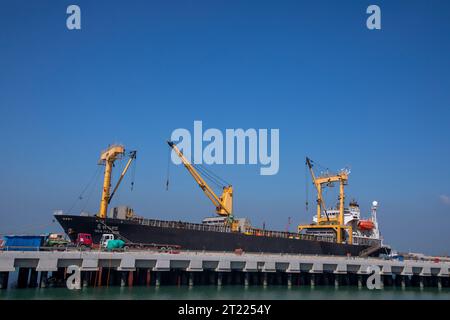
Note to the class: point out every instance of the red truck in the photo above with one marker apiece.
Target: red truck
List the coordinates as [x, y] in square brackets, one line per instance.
[84, 240]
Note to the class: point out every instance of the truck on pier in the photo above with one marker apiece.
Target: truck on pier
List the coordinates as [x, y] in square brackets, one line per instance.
[110, 243]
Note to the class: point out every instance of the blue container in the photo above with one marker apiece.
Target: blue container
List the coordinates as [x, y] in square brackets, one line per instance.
[399, 258]
[23, 243]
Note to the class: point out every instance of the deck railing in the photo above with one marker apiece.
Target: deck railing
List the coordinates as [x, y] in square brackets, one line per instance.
[212, 228]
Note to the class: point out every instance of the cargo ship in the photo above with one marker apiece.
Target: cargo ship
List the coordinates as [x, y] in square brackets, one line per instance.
[333, 235]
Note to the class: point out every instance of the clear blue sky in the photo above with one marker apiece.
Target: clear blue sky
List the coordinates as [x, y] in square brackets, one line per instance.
[375, 100]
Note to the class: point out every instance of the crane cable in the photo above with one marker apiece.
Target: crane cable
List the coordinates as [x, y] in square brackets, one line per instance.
[209, 176]
[133, 173]
[205, 173]
[81, 196]
[220, 179]
[89, 195]
[306, 189]
[168, 170]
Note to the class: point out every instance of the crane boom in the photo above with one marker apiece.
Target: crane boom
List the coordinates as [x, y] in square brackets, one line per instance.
[224, 203]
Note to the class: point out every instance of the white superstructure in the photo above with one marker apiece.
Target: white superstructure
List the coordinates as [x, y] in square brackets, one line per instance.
[365, 231]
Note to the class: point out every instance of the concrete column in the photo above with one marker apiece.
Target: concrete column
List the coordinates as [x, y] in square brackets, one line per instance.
[265, 282]
[85, 276]
[123, 278]
[43, 279]
[191, 279]
[130, 278]
[22, 280]
[421, 282]
[388, 280]
[439, 283]
[219, 279]
[312, 281]
[360, 281]
[289, 280]
[246, 279]
[279, 279]
[148, 278]
[4, 280]
[33, 279]
[212, 278]
[403, 282]
[336, 280]
[99, 277]
[255, 278]
[325, 279]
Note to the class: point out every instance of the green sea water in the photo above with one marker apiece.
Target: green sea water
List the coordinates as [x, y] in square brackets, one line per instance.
[227, 293]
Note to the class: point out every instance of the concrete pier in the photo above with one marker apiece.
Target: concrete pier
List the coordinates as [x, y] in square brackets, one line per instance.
[146, 268]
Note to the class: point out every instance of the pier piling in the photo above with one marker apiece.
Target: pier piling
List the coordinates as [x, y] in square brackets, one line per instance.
[336, 281]
[33, 278]
[85, 276]
[22, 280]
[148, 278]
[43, 279]
[123, 278]
[246, 279]
[421, 283]
[216, 269]
[289, 280]
[130, 278]
[4, 280]
[360, 281]
[312, 280]
[99, 277]
[403, 282]
[158, 279]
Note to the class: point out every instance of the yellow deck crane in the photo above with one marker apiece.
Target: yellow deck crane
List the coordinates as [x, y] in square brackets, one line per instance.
[224, 203]
[107, 158]
[334, 223]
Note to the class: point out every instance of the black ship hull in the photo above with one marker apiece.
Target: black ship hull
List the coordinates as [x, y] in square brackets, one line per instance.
[200, 239]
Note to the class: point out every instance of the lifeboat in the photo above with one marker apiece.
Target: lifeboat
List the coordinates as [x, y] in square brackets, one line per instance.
[365, 225]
